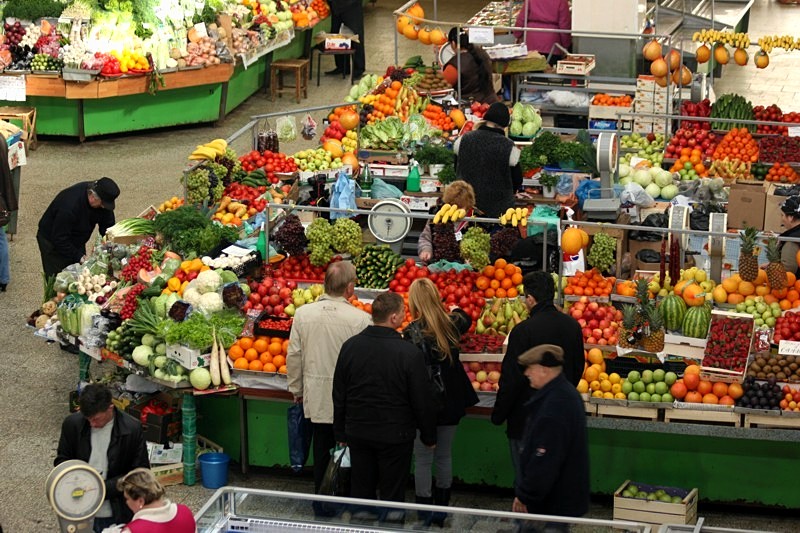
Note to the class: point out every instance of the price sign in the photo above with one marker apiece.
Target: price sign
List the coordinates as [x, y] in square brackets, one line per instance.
[794, 131]
[12, 88]
[789, 348]
[481, 35]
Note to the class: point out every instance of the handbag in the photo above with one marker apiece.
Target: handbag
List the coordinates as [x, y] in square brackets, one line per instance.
[435, 380]
[336, 481]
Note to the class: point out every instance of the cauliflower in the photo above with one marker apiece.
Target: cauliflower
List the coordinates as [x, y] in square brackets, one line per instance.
[210, 302]
[208, 281]
[191, 296]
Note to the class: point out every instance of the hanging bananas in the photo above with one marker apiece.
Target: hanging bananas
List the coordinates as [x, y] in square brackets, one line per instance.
[209, 151]
[515, 216]
[787, 42]
[449, 213]
[737, 40]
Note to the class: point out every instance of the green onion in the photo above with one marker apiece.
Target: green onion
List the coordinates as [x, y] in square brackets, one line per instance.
[130, 227]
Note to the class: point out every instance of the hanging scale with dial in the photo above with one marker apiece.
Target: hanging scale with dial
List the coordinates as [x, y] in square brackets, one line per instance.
[76, 491]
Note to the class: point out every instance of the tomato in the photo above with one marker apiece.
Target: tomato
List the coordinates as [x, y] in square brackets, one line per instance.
[404, 281]
[410, 262]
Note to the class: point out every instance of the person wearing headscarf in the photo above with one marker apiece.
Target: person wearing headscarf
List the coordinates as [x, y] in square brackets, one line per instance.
[475, 67]
[489, 161]
[790, 219]
[545, 14]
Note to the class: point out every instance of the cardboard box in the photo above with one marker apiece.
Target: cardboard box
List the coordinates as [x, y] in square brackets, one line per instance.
[772, 211]
[186, 357]
[746, 205]
[634, 247]
[159, 428]
[396, 171]
[419, 203]
[338, 42]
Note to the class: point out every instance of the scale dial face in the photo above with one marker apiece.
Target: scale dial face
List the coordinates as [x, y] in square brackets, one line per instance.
[76, 492]
[607, 152]
[389, 229]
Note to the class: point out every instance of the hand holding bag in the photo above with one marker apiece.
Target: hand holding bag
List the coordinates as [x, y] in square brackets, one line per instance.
[336, 481]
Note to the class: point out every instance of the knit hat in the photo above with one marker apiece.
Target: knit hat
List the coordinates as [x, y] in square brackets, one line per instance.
[544, 354]
[791, 206]
[497, 113]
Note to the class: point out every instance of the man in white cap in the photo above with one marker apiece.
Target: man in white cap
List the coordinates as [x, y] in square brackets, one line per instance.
[555, 448]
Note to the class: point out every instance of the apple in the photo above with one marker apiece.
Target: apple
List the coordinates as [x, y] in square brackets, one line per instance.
[493, 376]
[475, 367]
[476, 386]
[486, 387]
[481, 376]
[471, 376]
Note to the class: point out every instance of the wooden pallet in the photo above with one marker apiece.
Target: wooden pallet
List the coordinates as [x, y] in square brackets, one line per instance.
[698, 416]
[767, 421]
[620, 411]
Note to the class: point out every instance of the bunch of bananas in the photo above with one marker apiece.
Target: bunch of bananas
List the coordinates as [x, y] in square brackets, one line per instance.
[209, 151]
[787, 42]
[449, 213]
[514, 216]
[738, 40]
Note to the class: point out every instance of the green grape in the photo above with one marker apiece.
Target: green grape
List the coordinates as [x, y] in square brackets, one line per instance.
[346, 236]
[475, 246]
[320, 240]
[197, 185]
[601, 254]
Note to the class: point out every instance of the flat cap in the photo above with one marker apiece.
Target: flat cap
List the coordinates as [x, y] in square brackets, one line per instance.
[544, 354]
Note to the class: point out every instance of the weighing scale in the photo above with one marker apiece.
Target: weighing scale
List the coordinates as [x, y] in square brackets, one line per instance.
[606, 207]
[76, 491]
[387, 229]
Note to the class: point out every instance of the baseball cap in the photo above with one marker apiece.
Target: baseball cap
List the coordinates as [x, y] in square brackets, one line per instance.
[107, 190]
[544, 354]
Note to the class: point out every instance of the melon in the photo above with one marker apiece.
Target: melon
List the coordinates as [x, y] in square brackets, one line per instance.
[696, 322]
[673, 310]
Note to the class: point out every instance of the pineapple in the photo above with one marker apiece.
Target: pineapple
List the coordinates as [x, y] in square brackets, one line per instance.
[776, 272]
[642, 292]
[748, 261]
[654, 342]
[630, 317]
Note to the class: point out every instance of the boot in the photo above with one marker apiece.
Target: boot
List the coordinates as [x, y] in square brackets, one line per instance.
[424, 516]
[441, 497]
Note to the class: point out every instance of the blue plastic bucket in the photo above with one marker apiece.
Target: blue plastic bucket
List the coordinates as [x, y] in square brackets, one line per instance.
[214, 469]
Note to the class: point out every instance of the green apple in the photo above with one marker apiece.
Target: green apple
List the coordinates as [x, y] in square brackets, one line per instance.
[650, 388]
[670, 378]
[667, 398]
[647, 376]
[633, 396]
[658, 375]
[627, 387]
[633, 376]
[655, 398]
[644, 397]
[661, 388]
[639, 387]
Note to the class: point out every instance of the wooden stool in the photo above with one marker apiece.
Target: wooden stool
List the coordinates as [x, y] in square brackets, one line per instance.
[26, 115]
[350, 54]
[300, 67]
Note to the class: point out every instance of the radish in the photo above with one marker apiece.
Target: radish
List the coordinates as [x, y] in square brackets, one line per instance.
[214, 365]
[224, 371]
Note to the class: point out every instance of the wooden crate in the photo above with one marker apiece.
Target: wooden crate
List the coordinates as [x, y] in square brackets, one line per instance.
[622, 411]
[704, 416]
[771, 421]
[656, 512]
[620, 234]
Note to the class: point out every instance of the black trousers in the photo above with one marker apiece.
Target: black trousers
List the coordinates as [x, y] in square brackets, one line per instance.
[323, 440]
[379, 470]
[353, 18]
[52, 261]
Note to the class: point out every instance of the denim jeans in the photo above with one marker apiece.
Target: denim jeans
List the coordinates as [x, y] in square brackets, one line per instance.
[5, 259]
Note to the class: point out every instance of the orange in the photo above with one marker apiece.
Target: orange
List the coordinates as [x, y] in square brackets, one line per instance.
[235, 352]
[246, 343]
[790, 279]
[734, 298]
[282, 369]
[275, 348]
[285, 344]
[746, 288]
[255, 365]
[710, 398]
[489, 293]
[241, 364]
[735, 391]
[278, 360]
[516, 278]
[269, 367]
[704, 387]
[489, 271]
[275, 339]
[260, 345]
[510, 270]
[762, 277]
[494, 284]
[785, 304]
[506, 283]
[719, 389]
[499, 274]
[693, 397]
[501, 293]
[591, 374]
[500, 263]
[595, 356]
[265, 358]
[251, 354]
[692, 381]
[732, 284]
[482, 282]
[512, 293]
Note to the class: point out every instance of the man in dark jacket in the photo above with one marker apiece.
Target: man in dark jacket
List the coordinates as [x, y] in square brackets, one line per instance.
[381, 396]
[69, 221]
[555, 446]
[110, 441]
[545, 325]
[351, 14]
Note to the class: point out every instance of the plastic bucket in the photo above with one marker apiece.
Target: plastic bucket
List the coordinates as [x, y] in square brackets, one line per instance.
[214, 469]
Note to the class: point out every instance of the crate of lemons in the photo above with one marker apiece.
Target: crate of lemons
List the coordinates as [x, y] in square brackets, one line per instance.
[596, 382]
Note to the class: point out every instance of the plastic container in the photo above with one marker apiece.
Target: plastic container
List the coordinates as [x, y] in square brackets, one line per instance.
[214, 469]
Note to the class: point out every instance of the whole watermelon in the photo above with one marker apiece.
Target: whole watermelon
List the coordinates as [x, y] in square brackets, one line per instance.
[673, 309]
[696, 321]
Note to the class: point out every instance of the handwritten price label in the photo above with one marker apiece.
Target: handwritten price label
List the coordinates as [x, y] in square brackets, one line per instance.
[789, 348]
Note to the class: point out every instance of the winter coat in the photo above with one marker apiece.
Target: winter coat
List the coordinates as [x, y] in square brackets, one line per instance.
[126, 450]
[8, 196]
[380, 390]
[471, 87]
[555, 452]
[545, 325]
[545, 14]
[459, 393]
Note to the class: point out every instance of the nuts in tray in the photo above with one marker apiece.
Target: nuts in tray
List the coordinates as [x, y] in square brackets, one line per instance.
[432, 80]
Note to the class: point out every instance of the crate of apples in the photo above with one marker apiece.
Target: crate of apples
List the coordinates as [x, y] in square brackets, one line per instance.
[599, 322]
[485, 377]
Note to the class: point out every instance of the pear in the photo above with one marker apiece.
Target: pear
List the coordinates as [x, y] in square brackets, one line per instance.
[289, 310]
[480, 329]
[496, 303]
[298, 301]
[488, 319]
[308, 296]
[509, 311]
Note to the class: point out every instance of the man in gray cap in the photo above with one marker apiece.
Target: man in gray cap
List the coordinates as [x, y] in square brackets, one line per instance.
[70, 219]
[555, 448]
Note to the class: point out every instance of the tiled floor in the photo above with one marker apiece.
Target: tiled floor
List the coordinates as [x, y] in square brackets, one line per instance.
[36, 378]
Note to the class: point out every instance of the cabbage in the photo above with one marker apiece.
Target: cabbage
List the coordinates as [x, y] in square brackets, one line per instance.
[669, 192]
[354, 92]
[200, 378]
[515, 128]
[663, 178]
[148, 340]
[141, 355]
[160, 361]
[517, 110]
[528, 113]
[642, 177]
[716, 185]
[624, 170]
[626, 180]
[529, 129]
[653, 190]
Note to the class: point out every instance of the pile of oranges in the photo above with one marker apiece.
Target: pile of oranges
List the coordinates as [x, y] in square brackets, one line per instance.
[691, 388]
[500, 280]
[624, 100]
[590, 283]
[692, 156]
[737, 144]
[260, 354]
[734, 290]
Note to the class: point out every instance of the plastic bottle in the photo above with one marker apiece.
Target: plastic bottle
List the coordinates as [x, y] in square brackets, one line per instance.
[261, 245]
[366, 182]
[412, 183]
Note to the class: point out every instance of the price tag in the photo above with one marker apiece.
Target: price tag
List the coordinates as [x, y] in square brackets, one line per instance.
[481, 35]
[794, 131]
[789, 348]
[459, 236]
[200, 27]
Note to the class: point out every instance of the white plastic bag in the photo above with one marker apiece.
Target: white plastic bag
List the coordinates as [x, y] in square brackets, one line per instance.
[633, 193]
[287, 128]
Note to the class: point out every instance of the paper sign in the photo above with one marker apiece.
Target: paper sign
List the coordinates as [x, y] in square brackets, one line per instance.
[12, 88]
[789, 348]
[236, 251]
[794, 131]
[481, 35]
[200, 27]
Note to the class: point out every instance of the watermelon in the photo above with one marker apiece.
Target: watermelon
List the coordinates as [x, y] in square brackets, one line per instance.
[672, 309]
[696, 321]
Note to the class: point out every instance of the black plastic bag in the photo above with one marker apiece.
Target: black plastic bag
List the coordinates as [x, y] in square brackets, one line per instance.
[299, 430]
[336, 481]
[656, 220]
[649, 256]
[794, 190]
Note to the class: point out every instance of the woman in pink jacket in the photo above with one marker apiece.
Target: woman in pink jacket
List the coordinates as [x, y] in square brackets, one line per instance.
[544, 14]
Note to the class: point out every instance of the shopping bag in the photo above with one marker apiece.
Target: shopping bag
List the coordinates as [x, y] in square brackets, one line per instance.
[299, 436]
[336, 481]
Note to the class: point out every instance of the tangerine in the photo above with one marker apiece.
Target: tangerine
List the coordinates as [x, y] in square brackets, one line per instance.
[246, 343]
[494, 284]
[282, 369]
[265, 358]
[506, 284]
[500, 263]
[255, 365]
[489, 271]
[510, 269]
[512, 293]
[269, 367]
[260, 345]
[251, 354]
[241, 364]
[501, 293]
[516, 278]
[278, 360]
[275, 348]
[482, 282]
[499, 274]
[236, 352]
[285, 344]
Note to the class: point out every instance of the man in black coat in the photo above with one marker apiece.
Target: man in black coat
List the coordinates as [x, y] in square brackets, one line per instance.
[555, 446]
[351, 14]
[545, 325]
[70, 219]
[381, 396]
[100, 426]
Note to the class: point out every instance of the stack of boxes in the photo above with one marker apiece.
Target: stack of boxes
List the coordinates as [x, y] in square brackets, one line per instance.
[650, 98]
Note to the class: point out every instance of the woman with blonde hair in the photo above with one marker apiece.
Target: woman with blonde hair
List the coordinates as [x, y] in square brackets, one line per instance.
[430, 245]
[437, 334]
[152, 512]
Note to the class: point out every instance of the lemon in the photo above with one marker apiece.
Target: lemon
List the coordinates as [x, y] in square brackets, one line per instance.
[594, 385]
[605, 386]
[608, 395]
[583, 386]
[614, 377]
[602, 376]
[620, 396]
[700, 276]
[616, 387]
[597, 394]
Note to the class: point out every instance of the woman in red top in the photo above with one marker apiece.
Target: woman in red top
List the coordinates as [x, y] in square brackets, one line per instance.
[476, 69]
[152, 513]
[545, 14]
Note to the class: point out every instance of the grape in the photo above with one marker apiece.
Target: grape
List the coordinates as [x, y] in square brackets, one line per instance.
[197, 185]
[346, 236]
[475, 247]
[503, 242]
[291, 236]
[320, 239]
[444, 242]
[601, 254]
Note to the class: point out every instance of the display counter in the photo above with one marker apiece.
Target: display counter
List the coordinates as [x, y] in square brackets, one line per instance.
[727, 464]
